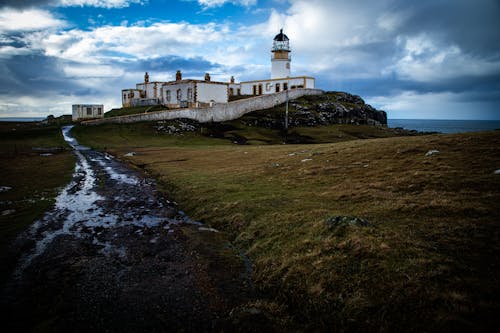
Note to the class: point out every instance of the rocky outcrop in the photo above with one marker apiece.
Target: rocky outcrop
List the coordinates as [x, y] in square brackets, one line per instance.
[326, 109]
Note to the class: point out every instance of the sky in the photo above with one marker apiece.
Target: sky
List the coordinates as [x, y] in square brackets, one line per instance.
[426, 59]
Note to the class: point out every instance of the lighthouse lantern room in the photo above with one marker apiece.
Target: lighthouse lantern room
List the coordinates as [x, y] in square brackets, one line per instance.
[280, 61]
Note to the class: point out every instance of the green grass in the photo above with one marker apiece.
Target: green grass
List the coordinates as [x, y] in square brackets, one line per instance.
[133, 110]
[427, 262]
[35, 180]
[144, 134]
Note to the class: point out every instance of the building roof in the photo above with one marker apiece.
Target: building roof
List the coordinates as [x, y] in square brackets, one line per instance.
[192, 81]
[281, 37]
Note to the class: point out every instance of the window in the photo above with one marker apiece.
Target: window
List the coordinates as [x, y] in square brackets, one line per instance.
[168, 95]
[231, 91]
[99, 111]
[277, 87]
[260, 89]
[89, 111]
[238, 91]
[190, 94]
[285, 86]
[124, 96]
[254, 89]
[179, 94]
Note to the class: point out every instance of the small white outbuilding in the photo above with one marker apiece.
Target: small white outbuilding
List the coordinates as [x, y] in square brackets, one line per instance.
[87, 111]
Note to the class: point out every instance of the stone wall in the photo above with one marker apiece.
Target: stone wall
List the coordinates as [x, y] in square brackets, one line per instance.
[217, 113]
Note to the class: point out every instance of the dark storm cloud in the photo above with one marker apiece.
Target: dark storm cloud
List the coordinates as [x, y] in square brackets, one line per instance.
[24, 3]
[472, 25]
[36, 75]
[173, 63]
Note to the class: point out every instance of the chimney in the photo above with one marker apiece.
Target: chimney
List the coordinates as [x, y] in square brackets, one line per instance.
[232, 79]
[146, 78]
[207, 77]
[178, 76]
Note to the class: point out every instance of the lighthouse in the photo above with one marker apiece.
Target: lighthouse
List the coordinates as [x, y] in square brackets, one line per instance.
[280, 61]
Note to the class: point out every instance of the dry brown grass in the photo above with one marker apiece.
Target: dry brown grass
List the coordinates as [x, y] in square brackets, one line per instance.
[428, 262]
[34, 179]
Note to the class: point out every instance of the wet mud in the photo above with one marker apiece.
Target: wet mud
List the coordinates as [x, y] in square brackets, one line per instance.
[115, 255]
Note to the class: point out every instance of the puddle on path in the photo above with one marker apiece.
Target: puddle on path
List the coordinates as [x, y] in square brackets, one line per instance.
[103, 197]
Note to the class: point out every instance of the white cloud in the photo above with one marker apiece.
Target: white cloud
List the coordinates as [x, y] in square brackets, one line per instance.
[100, 3]
[219, 3]
[139, 42]
[7, 51]
[424, 60]
[27, 20]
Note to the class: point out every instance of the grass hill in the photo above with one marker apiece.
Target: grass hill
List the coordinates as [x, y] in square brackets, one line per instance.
[133, 110]
[351, 235]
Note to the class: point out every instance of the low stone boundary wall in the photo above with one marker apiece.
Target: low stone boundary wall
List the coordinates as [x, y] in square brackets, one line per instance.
[217, 113]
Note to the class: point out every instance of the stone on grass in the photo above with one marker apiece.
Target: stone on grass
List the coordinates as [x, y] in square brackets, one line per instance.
[432, 152]
[346, 221]
[5, 188]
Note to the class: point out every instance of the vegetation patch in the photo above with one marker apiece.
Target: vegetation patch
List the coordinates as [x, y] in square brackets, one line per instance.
[34, 165]
[133, 110]
[417, 251]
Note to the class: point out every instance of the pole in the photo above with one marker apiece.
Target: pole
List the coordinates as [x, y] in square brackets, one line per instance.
[286, 112]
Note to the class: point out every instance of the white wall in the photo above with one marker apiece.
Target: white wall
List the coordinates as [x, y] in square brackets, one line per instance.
[269, 86]
[87, 111]
[310, 83]
[279, 68]
[174, 101]
[207, 92]
[126, 100]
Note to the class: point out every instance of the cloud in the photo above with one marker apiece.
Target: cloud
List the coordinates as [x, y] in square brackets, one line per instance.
[99, 3]
[424, 61]
[129, 41]
[27, 20]
[24, 3]
[219, 3]
[71, 3]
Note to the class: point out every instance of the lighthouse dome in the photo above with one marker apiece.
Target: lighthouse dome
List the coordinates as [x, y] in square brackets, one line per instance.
[281, 37]
[281, 43]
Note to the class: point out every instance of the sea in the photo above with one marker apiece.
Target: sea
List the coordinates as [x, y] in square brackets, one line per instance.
[445, 126]
[22, 119]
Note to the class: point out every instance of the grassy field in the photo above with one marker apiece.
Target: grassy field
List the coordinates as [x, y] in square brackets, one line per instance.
[34, 179]
[133, 110]
[425, 260]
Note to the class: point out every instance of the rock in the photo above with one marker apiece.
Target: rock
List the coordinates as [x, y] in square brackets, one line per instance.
[207, 229]
[132, 153]
[8, 212]
[5, 188]
[432, 152]
[345, 221]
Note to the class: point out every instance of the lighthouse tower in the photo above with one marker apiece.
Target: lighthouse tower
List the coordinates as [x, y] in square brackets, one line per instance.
[280, 62]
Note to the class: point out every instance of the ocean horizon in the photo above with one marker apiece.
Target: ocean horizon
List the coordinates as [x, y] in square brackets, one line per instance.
[445, 125]
[22, 119]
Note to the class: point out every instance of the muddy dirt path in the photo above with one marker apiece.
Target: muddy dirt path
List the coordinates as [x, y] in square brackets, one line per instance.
[115, 255]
